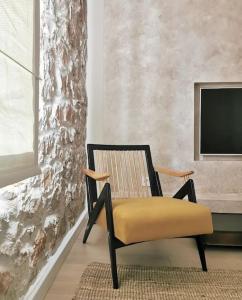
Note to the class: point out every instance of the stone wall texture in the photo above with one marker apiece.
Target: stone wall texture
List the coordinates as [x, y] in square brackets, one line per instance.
[154, 52]
[36, 213]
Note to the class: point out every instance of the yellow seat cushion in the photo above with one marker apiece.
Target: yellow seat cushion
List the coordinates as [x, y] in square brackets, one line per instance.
[153, 218]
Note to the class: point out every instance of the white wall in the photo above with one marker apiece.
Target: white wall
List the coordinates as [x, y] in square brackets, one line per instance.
[144, 58]
[95, 11]
[154, 52]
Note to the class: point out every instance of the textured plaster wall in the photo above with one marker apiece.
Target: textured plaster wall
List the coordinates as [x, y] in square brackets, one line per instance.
[154, 51]
[95, 117]
[35, 214]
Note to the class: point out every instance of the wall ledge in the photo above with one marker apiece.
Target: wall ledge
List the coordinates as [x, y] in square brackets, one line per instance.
[220, 196]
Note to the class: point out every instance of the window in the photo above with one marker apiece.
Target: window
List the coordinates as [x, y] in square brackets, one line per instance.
[19, 88]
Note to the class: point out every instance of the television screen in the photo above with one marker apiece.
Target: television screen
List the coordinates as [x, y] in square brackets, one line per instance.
[221, 121]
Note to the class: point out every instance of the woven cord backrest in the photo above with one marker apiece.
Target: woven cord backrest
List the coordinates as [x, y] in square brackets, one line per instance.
[128, 169]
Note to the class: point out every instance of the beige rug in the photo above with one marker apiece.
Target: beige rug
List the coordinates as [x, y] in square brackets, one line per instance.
[139, 282]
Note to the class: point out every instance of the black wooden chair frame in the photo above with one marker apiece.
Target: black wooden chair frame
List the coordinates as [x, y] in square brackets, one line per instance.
[105, 199]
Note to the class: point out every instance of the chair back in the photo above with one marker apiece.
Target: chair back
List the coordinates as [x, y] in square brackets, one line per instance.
[130, 167]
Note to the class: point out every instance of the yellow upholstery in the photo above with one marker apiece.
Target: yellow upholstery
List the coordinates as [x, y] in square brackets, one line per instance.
[153, 218]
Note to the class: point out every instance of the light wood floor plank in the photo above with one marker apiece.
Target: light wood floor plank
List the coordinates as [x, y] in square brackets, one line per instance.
[175, 252]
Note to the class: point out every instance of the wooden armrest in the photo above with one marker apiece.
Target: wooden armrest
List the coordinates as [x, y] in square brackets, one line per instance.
[94, 175]
[173, 172]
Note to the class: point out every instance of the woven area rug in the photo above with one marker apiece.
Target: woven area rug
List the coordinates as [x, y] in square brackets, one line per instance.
[139, 282]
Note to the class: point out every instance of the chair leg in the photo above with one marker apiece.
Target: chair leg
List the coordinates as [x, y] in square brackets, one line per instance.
[87, 232]
[112, 253]
[200, 247]
[93, 215]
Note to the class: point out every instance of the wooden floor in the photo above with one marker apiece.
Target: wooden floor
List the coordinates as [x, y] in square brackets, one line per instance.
[175, 252]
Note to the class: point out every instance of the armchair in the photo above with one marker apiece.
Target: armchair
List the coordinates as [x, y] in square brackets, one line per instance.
[125, 198]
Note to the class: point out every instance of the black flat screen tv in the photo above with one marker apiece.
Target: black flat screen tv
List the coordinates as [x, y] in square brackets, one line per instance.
[221, 121]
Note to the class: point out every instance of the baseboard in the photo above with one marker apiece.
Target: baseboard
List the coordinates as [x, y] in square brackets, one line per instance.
[46, 276]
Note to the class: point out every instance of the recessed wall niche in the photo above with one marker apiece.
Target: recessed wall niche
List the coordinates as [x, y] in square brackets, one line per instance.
[217, 121]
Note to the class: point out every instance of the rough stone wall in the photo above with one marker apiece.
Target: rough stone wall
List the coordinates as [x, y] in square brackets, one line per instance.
[36, 213]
